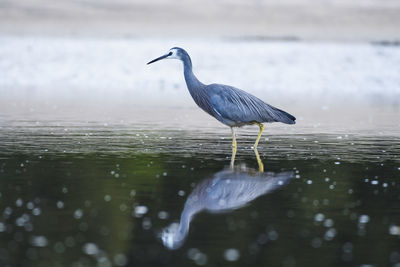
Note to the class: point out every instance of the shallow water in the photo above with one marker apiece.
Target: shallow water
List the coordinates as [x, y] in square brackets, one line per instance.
[83, 193]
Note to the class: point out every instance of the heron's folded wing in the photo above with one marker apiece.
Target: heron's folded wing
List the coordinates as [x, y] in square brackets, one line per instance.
[229, 105]
[239, 106]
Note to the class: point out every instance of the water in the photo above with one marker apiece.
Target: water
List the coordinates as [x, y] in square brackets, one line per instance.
[105, 161]
[79, 192]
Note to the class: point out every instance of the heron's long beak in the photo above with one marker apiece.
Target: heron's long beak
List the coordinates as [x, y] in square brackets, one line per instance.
[159, 58]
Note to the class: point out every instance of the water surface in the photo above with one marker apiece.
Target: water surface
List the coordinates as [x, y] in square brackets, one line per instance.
[101, 193]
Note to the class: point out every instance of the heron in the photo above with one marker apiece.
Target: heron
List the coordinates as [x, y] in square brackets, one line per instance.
[229, 105]
[225, 191]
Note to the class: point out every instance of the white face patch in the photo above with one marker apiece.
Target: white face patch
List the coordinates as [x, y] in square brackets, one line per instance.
[174, 54]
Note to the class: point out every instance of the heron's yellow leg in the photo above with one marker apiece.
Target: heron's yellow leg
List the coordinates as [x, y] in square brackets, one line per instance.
[234, 145]
[260, 164]
[259, 135]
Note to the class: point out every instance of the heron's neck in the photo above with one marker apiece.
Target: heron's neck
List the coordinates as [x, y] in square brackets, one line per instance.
[191, 208]
[191, 81]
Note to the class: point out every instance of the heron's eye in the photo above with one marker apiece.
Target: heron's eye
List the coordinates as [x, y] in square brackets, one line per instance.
[170, 53]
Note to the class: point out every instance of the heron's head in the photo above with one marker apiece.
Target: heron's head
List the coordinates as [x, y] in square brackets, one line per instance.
[173, 53]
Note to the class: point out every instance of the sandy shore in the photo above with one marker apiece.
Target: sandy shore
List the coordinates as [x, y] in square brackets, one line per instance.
[357, 20]
[66, 76]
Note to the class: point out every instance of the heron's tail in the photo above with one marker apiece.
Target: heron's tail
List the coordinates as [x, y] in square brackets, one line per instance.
[284, 117]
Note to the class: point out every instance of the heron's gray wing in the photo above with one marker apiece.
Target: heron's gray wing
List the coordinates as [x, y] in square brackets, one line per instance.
[241, 107]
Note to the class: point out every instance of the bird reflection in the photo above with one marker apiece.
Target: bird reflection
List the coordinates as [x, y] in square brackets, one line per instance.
[225, 191]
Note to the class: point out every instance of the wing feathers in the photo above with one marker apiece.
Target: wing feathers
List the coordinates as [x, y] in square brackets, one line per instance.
[241, 107]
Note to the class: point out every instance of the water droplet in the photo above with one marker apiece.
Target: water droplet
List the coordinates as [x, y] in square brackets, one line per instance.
[36, 211]
[78, 214]
[197, 256]
[19, 202]
[347, 247]
[393, 230]
[123, 207]
[163, 215]
[328, 223]
[20, 221]
[192, 253]
[316, 242]
[120, 260]
[2, 227]
[60, 204]
[146, 223]
[350, 191]
[330, 234]
[319, 217]
[29, 205]
[140, 210]
[262, 239]
[363, 219]
[90, 249]
[231, 254]
[39, 241]
[70, 241]
[273, 235]
[59, 247]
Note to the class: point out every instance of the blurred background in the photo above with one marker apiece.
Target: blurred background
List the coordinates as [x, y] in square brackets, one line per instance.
[358, 20]
[100, 152]
[89, 56]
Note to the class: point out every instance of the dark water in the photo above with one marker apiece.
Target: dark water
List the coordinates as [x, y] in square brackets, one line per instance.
[91, 194]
